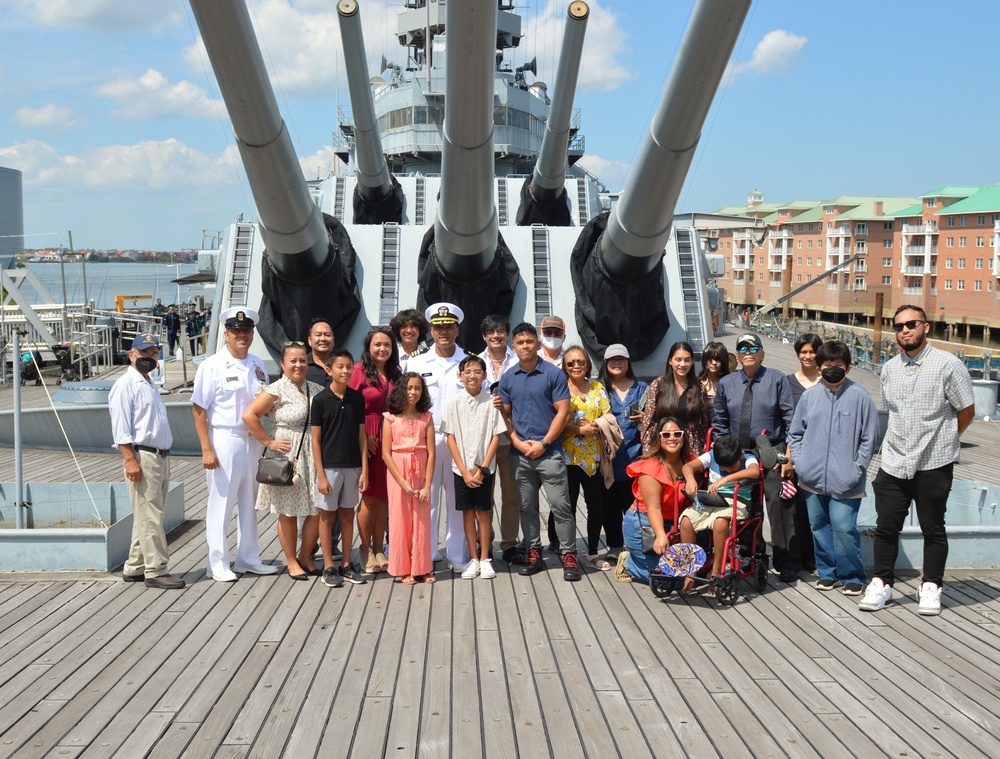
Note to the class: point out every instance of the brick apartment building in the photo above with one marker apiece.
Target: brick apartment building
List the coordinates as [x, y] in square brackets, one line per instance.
[940, 251]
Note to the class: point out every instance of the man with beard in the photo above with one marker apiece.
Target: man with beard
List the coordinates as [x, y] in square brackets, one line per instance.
[142, 434]
[929, 396]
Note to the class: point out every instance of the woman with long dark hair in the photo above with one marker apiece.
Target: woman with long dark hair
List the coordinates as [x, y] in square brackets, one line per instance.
[714, 366]
[808, 374]
[374, 376]
[677, 393]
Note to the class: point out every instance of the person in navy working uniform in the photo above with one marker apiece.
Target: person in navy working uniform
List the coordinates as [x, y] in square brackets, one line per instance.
[224, 386]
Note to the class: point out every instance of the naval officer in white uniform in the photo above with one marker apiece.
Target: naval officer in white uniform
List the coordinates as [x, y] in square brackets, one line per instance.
[438, 365]
[224, 386]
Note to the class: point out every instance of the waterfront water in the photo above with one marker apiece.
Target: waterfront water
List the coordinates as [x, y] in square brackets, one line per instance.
[105, 281]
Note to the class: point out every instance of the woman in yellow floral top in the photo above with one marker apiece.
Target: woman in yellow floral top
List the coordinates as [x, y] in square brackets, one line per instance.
[582, 449]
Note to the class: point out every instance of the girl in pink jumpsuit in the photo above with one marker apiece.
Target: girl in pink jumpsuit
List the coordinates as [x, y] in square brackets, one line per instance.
[408, 452]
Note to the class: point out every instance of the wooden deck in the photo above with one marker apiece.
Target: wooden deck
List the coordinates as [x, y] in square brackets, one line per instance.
[514, 667]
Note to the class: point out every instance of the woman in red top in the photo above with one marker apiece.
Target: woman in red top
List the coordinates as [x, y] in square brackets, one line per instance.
[655, 490]
[374, 375]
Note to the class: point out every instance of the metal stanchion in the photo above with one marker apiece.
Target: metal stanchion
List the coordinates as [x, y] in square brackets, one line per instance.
[18, 448]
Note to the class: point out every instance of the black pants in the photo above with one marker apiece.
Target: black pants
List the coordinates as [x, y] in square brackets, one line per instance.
[171, 341]
[929, 490]
[619, 496]
[600, 513]
[788, 532]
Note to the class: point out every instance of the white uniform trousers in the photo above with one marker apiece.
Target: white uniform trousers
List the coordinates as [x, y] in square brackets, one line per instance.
[443, 486]
[233, 483]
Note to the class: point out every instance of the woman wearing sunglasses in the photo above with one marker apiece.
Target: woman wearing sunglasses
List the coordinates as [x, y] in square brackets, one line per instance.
[655, 490]
[677, 393]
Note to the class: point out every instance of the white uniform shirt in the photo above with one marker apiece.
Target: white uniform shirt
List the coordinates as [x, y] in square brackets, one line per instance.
[441, 375]
[138, 414]
[224, 386]
[473, 421]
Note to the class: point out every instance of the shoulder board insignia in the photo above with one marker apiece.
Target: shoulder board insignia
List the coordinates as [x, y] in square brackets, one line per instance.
[419, 351]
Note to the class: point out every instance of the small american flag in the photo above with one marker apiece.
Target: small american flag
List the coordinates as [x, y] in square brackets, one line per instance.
[788, 489]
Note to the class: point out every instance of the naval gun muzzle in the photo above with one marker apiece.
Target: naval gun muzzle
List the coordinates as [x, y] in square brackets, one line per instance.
[378, 198]
[543, 195]
[617, 261]
[463, 258]
[308, 266]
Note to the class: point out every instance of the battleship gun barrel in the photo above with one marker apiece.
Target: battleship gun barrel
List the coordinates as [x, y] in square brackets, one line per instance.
[370, 168]
[291, 226]
[466, 229]
[549, 177]
[639, 224]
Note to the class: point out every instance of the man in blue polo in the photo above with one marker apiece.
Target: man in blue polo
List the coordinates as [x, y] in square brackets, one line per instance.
[747, 403]
[535, 399]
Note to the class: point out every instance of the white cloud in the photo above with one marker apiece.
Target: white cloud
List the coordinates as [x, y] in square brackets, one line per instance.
[774, 55]
[301, 45]
[49, 116]
[152, 96]
[319, 164]
[600, 69]
[104, 15]
[611, 173]
[145, 166]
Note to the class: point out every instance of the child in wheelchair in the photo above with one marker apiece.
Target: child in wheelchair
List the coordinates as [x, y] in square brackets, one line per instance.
[730, 472]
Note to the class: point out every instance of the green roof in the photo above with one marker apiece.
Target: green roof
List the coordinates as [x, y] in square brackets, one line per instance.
[985, 200]
[914, 210]
[952, 191]
[866, 209]
[745, 210]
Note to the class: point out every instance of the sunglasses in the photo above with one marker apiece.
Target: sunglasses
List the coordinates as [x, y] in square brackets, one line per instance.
[576, 363]
[380, 328]
[911, 324]
[751, 349]
[553, 332]
[672, 434]
[290, 343]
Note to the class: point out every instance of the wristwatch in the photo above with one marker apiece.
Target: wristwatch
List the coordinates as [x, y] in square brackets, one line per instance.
[483, 469]
[545, 443]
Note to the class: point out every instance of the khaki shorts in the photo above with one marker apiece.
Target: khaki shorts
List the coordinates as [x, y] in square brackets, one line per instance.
[705, 519]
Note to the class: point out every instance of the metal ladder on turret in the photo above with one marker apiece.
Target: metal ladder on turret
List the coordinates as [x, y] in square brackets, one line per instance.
[694, 323]
[502, 201]
[420, 210]
[582, 205]
[389, 291]
[338, 198]
[542, 271]
[238, 286]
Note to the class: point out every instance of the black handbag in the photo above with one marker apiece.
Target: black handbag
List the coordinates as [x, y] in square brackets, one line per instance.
[280, 472]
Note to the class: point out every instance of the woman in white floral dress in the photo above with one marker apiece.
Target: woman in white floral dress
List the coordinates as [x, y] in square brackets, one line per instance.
[287, 403]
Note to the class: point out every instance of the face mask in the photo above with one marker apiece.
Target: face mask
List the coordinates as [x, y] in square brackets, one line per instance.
[552, 343]
[834, 374]
[145, 365]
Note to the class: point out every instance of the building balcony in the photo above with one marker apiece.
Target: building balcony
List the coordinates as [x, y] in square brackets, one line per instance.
[861, 288]
[933, 291]
[918, 271]
[832, 286]
[779, 234]
[739, 265]
[919, 250]
[774, 283]
[913, 291]
[745, 234]
[775, 266]
[842, 231]
[739, 282]
[930, 228]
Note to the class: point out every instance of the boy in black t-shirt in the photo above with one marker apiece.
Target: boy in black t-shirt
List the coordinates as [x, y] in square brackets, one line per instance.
[340, 446]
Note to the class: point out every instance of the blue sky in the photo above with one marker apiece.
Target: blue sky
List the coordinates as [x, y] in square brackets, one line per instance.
[113, 116]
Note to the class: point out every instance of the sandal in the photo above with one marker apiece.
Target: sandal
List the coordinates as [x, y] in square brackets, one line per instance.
[621, 573]
[599, 562]
[427, 579]
[381, 560]
[409, 580]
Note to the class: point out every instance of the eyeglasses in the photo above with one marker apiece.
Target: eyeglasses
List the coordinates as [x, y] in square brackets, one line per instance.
[576, 363]
[751, 349]
[494, 332]
[290, 343]
[911, 324]
[671, 434]
[473, 372]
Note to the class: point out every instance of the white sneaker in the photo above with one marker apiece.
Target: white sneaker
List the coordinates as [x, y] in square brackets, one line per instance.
[257, 569]
[486, 570]
[471, 570]
[930, 599]
[226, 575]
[877, 595]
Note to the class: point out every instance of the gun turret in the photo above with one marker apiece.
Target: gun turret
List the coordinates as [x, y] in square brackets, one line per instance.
[543, 197]
[616, 263]
[308, 269]
[377, 195]
[463, 258]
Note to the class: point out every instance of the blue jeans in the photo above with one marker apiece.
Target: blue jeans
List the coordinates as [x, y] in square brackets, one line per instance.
[835, 535]
[639, 564]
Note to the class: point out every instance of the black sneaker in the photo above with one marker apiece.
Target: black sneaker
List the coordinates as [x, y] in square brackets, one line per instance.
[513, 556]
[352, 574]
[332, 578]
[853, 589]
[788, 575]
[533, 564]
[571, 568]
[825, 585]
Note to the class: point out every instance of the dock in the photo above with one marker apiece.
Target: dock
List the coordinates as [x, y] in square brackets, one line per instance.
[514, 667]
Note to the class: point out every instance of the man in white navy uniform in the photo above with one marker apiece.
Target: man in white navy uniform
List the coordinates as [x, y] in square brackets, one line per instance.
[438, 365]
[142, 435]
[224, 386]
